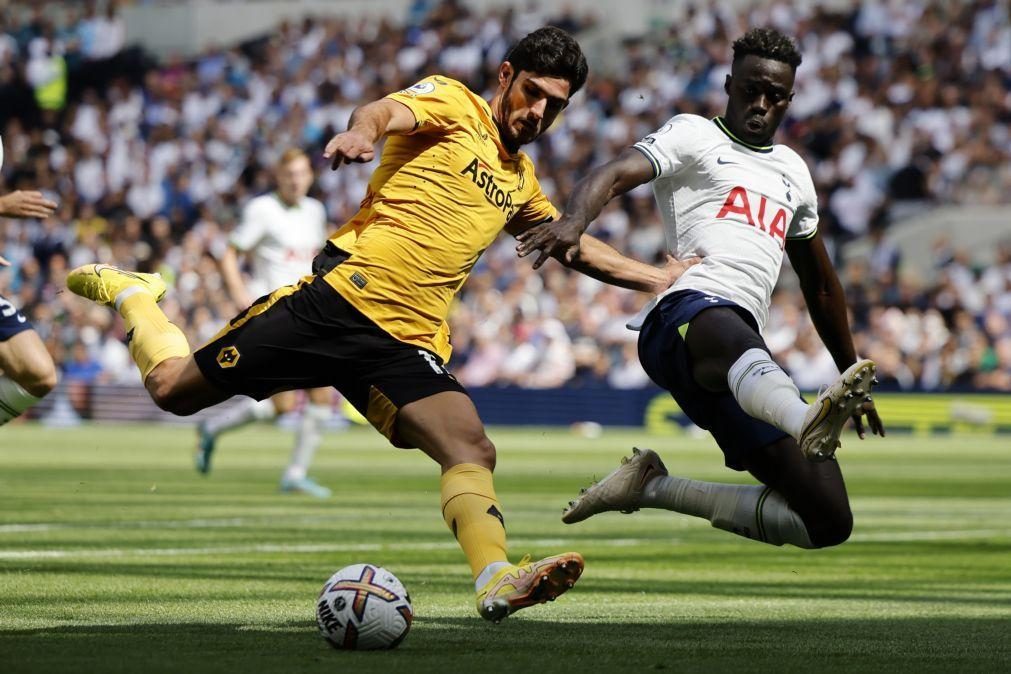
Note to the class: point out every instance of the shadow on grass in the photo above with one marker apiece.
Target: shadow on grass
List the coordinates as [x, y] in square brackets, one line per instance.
[524, 645]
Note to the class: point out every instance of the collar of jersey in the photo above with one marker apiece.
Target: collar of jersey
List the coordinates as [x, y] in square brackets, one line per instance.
[722, 126]
[496, 134]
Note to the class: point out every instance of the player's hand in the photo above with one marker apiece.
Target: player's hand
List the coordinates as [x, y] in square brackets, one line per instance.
[26, 204]
[873, 420]
[552, 239]
[673, 269]
[4, 262]
[349, 147]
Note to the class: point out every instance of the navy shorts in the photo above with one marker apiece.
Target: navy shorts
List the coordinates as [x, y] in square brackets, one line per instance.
[664, 355]
[12, 321]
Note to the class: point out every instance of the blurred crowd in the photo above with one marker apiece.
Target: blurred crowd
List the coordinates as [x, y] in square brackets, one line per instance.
[900, 105]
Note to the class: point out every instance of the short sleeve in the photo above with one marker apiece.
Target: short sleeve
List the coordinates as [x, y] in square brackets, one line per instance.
[672, 146]
[252, 227]
[805, 220]
[438, 104]
[536, 210]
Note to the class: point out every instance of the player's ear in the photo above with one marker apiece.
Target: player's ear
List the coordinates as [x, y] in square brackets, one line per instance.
[726, 85]
[505, 73]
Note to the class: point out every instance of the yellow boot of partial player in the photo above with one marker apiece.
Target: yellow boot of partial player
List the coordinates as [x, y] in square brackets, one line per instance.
[102, 283]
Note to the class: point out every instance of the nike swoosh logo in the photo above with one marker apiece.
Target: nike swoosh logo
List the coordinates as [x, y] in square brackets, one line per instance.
[826, 407]
[719, 160]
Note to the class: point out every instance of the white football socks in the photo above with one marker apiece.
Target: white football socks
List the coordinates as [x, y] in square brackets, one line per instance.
[240, 415]
[13, 399]
[307, 439]
[752, 511]
[766, 392]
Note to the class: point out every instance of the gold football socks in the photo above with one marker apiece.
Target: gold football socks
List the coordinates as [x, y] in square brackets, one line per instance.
[151, 337]
[474, 515]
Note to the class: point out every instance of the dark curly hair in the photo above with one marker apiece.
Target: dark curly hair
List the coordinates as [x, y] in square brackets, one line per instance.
[553, 52]
[768, 43]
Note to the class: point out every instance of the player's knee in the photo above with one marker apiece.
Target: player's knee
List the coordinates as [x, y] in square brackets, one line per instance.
[485, 449]
[832, 528]
[474, 448]
[169, 397]
[40, 380]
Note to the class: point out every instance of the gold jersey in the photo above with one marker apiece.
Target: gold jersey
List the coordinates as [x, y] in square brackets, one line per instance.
[440, 196]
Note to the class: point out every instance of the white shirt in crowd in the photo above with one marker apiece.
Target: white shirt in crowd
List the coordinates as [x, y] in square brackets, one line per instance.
[281, 239]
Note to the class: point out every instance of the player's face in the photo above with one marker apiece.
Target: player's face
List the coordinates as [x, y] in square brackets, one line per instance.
[294, 179]
[528, 104]
[759, 91]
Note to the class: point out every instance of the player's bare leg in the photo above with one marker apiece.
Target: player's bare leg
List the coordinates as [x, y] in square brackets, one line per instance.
[158, 347]
[28, 373]
[446, 426]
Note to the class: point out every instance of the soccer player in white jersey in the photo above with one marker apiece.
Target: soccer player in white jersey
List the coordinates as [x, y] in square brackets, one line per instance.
[731, 196]
[281, 232]
[27, 372]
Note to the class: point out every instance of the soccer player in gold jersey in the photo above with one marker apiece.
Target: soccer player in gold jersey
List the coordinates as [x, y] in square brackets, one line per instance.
[371, 320]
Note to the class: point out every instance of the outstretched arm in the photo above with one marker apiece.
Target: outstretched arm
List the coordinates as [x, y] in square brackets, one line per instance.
[367, 125]
[598, 260]
[561, 238]
[602, 262]
[826, 303]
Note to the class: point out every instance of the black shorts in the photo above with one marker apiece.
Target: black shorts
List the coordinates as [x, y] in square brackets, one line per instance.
[308, 336]
[12, 321]
[664, 355]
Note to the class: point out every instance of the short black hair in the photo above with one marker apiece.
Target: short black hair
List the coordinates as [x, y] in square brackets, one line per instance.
[553, 52]
[767, 43]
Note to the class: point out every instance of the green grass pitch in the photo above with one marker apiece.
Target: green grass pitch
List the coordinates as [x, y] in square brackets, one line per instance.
[115, 556]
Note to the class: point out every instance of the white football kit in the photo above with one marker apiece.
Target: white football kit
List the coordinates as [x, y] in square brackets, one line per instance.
[282, 240]
[731, 203]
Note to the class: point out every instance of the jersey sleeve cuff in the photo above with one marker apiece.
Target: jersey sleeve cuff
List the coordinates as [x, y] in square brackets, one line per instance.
[802, 237]
[652, 160]
[410, 103]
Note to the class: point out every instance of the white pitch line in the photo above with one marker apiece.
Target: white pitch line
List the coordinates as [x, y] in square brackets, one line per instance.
[308, 548]
[203, 523]
[270, 548]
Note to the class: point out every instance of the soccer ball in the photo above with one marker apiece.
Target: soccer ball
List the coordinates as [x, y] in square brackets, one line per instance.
[364, 607]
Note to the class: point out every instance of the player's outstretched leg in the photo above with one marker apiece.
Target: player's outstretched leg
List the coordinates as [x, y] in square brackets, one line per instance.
[446, 426]
[621, 490]
[158, 347]
[642, 481]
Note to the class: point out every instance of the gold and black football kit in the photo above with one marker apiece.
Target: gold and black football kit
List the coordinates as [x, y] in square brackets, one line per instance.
[372, 320]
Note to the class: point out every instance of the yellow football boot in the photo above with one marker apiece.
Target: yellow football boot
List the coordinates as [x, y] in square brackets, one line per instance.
[102, 283]
[529, 583]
